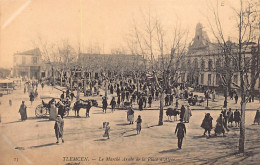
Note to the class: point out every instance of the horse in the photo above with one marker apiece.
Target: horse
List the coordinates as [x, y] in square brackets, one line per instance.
[172, 112]
[87, 104]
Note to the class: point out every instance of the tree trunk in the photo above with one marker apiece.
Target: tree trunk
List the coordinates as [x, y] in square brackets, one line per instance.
[161, 109]
[61, 75]
[226, 96]
[242, 86]
[106, 88]
[242, 124]
[137, 79]
[85, 86]
[54, 82]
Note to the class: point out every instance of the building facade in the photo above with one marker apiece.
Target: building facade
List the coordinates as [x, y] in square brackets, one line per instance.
[205, 63]
[27, 64]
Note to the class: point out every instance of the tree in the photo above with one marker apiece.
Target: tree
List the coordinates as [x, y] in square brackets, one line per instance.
[161, 51]
[225, 48]
[61, 55]
[247, 18]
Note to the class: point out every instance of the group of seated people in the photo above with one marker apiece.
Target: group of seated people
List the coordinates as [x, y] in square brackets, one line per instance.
[194, 99]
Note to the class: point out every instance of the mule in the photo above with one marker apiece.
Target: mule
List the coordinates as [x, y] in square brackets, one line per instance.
[172, 112]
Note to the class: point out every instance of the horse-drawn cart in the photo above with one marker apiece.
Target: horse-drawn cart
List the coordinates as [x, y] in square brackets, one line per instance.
[43, 109]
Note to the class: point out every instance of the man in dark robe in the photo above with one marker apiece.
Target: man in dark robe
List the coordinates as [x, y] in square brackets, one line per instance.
[111, 89]
[62, 95]
[182, 112]
[257, 117]
[180, 130]
[236, 98]
[127, 95]
[113, 104]
[207, 124]
[31, 97]
[225, 118]
[72, 95]
[140, 103]
[61, 108]
[230, 117]
[237, 118]
[67, 93]
[220, 126]
[104, 102]
[118, 101]
[123, 96]
[166, 100]
[118, 91]
[144, 101]
[150, 101]
[171, 99]
[133, 97]
[23, 111]
[157, 95]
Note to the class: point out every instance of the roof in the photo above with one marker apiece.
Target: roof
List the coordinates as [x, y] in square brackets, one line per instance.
[113, 55]
[109, 56]
[4, 81]
[35, 52]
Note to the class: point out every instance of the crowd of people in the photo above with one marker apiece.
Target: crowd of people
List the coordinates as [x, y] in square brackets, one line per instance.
[31, 87]
[128, 92]
[222, 122]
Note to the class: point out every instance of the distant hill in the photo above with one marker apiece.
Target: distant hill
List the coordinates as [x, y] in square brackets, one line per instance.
[4, 72]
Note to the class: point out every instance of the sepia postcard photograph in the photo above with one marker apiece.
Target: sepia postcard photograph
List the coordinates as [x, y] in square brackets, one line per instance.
[129, 82]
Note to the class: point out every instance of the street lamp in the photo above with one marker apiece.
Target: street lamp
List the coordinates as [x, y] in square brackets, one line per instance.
[106, 85]
[207, 96]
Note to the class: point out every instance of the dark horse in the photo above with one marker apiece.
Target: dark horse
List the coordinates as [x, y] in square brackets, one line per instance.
[48, 105]
[172, 112]
[87, 104]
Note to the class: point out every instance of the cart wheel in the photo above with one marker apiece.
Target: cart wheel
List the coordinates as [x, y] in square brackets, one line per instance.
[40, 111]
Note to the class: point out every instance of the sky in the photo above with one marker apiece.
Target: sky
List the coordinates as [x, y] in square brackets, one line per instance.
[93, 22]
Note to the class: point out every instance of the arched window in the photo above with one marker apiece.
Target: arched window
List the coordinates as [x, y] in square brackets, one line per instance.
[188, 63]
[218, 63]
[227, 62]
[202, 65]
[235, 64]
[195, 63]
[210, 64]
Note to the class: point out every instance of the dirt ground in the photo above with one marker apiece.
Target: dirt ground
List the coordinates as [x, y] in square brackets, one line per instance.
[33, 141]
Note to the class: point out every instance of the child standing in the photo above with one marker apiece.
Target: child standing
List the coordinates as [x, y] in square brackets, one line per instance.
[138, 124]
[107, 130]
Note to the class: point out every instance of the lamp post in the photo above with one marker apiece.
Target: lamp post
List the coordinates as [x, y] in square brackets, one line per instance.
[106, 85]
[207, 96]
